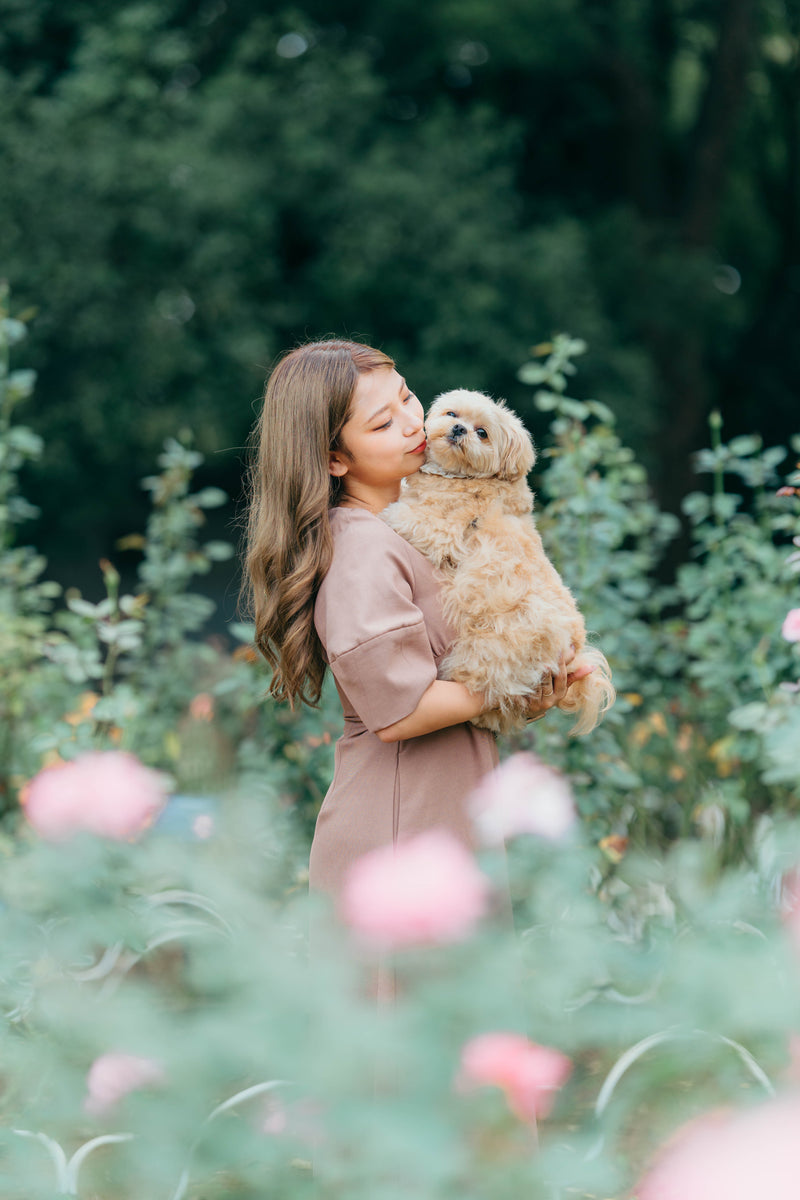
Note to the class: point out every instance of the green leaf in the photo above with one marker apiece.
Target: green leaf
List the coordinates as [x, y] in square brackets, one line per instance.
[242, 632]
[601, 411]
[83, 608]
[219, 551]
[25, 441]
[746, 444]
[12, 331]
[532, 373]
[21, 384]
[210, 497]
[546, 401]
[749, 716]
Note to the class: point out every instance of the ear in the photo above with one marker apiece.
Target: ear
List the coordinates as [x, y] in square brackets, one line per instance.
[336, 465]
[517, 455]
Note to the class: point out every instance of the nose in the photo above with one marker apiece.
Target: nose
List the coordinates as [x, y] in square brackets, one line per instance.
[457, 432]
[415, 418]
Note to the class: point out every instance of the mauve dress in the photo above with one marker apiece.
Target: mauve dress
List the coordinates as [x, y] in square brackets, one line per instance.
[380, 622]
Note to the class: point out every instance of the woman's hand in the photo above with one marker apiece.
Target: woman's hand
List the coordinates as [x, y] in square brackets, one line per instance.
[553, 690]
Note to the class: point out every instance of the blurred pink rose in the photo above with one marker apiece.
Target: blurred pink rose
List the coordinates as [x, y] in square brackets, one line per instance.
[790, 906]
[109, 793]
[522, 795]
[423, 891]
[275, 1120]
[113, 1075]
[298, 1119]
[791, 626]
[792, 1072]
[529, 1074]
[748, 1155]
[203, 826]
[202, 707]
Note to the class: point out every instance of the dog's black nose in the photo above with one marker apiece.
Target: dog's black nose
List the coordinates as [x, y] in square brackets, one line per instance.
[458, 431]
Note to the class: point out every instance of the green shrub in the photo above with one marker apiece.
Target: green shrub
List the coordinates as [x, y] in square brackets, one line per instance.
[134, 671]
[679, 752]
[671, 987]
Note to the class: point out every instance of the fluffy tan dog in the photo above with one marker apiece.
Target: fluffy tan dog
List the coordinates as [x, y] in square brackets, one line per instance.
[470, 511]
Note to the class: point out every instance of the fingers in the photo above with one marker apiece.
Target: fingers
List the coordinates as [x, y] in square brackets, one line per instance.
[553, 688]
[550, 691]
[581, 673]
[560, 683]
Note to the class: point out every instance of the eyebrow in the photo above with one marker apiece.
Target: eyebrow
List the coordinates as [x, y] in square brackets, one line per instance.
[384, 407]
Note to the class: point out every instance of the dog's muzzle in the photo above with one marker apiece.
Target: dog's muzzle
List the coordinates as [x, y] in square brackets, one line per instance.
[457, 433]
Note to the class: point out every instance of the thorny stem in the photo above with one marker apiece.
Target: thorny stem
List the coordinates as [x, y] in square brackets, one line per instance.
[715, 425]
[111, 580]
[5, 417]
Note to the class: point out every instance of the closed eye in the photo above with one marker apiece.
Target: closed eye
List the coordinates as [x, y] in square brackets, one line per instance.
[405, 400]
[482, 434]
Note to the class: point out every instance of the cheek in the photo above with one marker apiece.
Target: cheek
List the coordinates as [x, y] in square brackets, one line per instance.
[484, 454]
[437, 426]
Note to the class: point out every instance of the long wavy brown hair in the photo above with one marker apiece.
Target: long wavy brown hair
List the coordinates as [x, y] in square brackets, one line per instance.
[289, 541]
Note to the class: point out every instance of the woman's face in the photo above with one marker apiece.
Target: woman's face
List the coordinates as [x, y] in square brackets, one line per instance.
[382, 441]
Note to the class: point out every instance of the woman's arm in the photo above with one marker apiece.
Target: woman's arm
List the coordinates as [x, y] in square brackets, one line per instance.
[446, 703]
[443, 704]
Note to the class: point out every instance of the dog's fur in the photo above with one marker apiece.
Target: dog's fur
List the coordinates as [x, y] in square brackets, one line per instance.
[470, 511]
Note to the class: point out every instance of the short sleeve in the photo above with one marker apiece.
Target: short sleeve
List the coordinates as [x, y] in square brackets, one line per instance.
[373, 633]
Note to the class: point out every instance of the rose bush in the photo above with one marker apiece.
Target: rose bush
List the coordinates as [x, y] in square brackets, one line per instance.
[186, 956]
[112, 1076]
[523, 795]
[730, 1156]
[791, 626]
[528, 1074]
[108, 793]
[419, 892]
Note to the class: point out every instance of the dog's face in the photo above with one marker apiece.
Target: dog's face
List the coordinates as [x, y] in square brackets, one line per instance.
[470, 434]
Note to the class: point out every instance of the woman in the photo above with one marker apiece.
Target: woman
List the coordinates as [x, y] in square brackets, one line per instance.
[333, 586]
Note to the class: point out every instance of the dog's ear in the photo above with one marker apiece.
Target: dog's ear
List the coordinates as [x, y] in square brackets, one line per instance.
[517, 454]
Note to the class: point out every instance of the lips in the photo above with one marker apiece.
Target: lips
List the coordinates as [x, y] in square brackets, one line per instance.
[419, 449]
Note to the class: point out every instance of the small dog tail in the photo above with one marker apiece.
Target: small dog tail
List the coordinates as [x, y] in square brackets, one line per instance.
[592, 696]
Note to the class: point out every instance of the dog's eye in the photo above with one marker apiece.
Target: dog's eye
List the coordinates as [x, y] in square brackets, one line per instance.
[482, 434]
[451, 414]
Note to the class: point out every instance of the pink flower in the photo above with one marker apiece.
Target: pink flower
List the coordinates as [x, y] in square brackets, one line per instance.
[423, 891]
[523, 795]
[728, 1155]
[109, 793]
[203, 826]
[790, 906]
[276, 1120]
[300, 1119]
[112, 1076]
[202, 707]
[792, 1073]
[791, 626]
[528, 1074]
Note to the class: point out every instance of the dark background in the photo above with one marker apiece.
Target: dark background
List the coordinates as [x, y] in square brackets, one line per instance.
[188, 189]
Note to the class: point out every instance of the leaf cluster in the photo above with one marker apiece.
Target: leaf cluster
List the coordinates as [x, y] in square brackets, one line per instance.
[702, 735]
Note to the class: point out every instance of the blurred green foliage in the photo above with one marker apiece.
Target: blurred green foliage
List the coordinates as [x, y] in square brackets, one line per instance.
[191, 953]
[133, 670]
[190, 189]
[706, 681]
